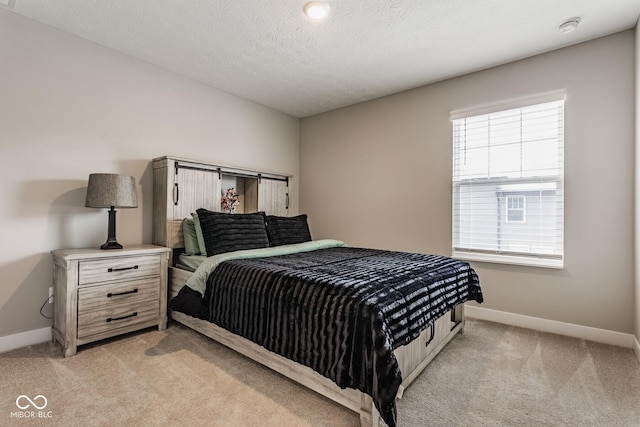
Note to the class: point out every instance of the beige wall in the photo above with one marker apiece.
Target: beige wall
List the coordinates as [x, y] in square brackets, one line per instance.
[378, 174]
[69, 108]
[637, 211]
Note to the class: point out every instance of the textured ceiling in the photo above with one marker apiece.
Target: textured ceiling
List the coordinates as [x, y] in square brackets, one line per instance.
[268, 52]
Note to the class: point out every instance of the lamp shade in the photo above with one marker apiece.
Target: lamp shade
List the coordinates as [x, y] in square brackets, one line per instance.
[108, 189]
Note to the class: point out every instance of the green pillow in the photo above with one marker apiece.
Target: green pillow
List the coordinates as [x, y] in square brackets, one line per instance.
[199, 235]
[191, 246]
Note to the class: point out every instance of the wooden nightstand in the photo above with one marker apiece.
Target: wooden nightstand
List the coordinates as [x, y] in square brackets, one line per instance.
[103, 293]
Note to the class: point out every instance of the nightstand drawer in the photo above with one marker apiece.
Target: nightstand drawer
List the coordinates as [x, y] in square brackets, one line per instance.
[112, 318]
[117, 268]
[118, 294]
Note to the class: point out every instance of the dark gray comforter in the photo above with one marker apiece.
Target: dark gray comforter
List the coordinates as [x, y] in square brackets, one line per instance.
[341, 311]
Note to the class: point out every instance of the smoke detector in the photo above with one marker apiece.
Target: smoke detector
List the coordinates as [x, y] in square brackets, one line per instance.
[569, 25]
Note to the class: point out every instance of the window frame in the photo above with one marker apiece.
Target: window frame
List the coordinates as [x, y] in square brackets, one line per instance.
[534, 259]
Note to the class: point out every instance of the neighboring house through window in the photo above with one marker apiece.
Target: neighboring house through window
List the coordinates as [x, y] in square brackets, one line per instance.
[508, 182]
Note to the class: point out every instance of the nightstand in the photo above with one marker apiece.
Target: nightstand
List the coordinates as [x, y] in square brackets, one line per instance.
[102, 293]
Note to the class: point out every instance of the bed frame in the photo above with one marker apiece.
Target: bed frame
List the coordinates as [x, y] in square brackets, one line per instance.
[412, 358]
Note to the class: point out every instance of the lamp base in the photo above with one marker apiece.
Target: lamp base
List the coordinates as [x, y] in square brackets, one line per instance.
[111, 244]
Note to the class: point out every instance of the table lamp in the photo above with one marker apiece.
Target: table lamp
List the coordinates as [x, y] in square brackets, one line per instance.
[108, 190]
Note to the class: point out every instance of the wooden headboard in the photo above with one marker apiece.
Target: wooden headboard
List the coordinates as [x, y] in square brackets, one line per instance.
[180, 186]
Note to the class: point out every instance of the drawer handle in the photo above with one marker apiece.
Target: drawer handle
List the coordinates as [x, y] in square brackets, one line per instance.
[111, 319]
[111, 270]
[432, 334]
[111, 294]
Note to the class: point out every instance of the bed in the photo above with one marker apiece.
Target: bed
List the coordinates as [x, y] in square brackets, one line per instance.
[354, 324]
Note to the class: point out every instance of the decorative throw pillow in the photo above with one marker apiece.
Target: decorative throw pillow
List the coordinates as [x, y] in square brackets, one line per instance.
[284, 230]
[199, 235]
[190, 238]
[225, 232]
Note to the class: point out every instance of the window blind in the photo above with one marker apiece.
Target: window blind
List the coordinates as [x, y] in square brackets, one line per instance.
[508, 200]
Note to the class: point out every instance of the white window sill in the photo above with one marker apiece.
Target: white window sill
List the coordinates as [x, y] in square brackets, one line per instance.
[509, 259]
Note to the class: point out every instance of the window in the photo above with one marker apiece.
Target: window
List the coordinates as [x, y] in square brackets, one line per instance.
[508, 166]
[515, 209]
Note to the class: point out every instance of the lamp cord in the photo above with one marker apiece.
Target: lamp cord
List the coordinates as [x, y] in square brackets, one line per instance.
[43, 304]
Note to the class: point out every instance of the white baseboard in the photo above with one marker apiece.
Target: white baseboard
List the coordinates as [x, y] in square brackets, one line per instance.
[568, 329]
[636, 347]
[23, 339]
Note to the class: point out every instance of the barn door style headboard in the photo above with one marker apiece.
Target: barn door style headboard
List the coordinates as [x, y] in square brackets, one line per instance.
[180, 186]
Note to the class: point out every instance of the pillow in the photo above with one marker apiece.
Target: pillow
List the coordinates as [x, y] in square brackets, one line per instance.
[196, 222]
[284, 230]
[225, 232]
[190, 238]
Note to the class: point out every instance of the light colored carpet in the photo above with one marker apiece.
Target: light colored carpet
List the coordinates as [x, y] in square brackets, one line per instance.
[493, 375]
[497, 375]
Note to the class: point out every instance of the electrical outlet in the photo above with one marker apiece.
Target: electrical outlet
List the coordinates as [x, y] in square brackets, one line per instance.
[51, 295]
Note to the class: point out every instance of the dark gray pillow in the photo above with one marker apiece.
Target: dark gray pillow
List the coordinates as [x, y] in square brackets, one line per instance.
[225, 232]
[284, 230]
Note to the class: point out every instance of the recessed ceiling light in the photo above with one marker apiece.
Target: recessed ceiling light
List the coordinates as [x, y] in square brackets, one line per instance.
[569, 25]
[316, 10]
